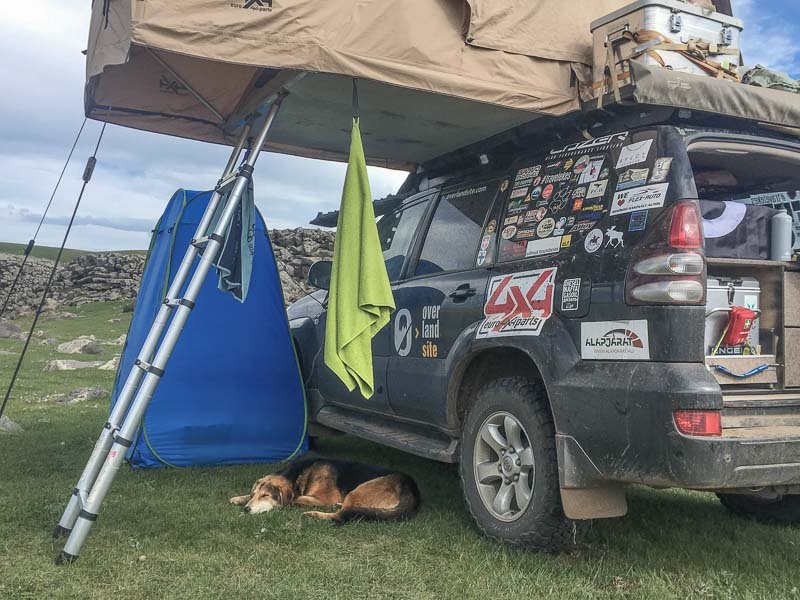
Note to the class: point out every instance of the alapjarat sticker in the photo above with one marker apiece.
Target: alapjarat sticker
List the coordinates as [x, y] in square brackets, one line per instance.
[615, 340]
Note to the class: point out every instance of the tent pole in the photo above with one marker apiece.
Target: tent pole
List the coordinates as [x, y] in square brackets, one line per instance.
[155, 370]
[112, 426]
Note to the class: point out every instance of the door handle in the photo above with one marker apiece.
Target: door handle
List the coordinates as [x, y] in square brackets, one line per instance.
[463, 292]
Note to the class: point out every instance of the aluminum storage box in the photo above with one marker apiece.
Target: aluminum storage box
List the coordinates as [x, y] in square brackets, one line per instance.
[677, 21]
[724, 292]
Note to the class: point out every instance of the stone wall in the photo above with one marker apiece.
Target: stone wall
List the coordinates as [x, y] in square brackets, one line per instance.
[116, 276]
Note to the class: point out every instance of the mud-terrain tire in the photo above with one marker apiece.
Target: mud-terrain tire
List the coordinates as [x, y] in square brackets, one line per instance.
[783, 510]
[541, 525]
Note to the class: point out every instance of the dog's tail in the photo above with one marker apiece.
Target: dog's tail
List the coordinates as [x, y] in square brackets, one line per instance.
[406, 508]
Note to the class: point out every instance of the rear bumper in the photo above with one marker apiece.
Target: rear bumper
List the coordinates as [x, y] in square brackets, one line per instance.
[614, 424]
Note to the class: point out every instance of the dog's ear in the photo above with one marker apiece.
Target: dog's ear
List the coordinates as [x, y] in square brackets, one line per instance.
[286, 493]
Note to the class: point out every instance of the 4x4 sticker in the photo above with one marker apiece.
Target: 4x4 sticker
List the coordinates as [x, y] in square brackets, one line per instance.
[640, 198]
[615, 340]
[633, 154]
[518, 304]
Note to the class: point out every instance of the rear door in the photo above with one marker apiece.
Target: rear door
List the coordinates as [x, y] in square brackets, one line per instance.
[440, 298]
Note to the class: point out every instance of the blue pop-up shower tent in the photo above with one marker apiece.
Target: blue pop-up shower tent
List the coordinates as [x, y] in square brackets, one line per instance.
[232, 391]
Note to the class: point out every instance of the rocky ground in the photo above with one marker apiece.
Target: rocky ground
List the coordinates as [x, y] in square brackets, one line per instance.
[116, 276]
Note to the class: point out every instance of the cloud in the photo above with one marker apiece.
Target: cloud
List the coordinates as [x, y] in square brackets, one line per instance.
[771, 35]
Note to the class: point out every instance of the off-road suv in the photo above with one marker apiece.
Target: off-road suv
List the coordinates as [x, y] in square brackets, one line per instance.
[550, 330]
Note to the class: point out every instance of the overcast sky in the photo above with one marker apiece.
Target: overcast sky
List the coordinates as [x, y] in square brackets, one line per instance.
[41, 108]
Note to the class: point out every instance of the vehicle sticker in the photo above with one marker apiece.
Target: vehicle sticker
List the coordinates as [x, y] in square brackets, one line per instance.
[592, 171]
[593, 241]
[549, 245]
[607, 141]
[570, 294]
[403, 326]
[632, 178]
[547, 191]
[510, 221]
[646, 197]
[504, 185]
[518, 192]
[539, 213]
[582, 226]
[526, 234]
[768, 199]
[559, 230]
[638, 221]
[568, 164]
[546, 227]
[614, 238]
[577, 205]
[537, 180]
[509, 232]
[536, 192]
[518, 304]
[634, 153]
[593, 208]
[492, 226]
[482, 257]
[597, 189]
[582, 163]
[430, 330]
[615, 340]
[512, 250]
[559, 202]
[661, 170]
[566, 240]
[485, 242]
[552, 166]
[579, 192]
[604, 173]
[557, 178]
[531, 171]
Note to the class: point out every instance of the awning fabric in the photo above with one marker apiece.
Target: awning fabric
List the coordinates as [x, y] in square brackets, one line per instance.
[435, 74]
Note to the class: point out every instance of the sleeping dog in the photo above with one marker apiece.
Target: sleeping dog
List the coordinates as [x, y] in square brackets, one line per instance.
[355, 490]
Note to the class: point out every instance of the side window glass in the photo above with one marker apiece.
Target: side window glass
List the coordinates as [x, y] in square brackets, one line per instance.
[455, 231]
[396, 232]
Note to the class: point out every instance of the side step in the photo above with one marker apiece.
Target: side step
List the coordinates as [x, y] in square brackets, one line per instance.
[390, 433]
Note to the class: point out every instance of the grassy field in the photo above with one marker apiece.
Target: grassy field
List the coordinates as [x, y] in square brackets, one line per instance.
[50, 252]
[172, 534]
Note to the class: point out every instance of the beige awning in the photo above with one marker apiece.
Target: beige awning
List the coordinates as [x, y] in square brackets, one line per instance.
[434, 75]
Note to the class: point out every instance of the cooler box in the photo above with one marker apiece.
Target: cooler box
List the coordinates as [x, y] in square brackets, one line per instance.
[660, 22]
[724, 293]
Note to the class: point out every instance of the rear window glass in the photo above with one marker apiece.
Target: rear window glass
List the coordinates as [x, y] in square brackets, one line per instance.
[454, 233]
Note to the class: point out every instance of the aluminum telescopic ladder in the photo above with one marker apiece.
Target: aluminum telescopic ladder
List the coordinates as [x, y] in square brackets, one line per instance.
[128, 411]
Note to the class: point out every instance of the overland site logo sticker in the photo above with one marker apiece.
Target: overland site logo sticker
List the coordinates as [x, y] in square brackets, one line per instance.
[518, 304]
[615, 340]
[259, 5]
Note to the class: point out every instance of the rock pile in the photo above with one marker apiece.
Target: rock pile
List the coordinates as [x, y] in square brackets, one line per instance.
[116, 276]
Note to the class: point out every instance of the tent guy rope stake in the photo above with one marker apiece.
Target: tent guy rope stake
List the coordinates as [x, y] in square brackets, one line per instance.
[109, 453]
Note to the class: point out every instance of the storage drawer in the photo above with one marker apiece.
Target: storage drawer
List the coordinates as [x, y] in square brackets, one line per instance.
[742, 364]
[792, 356]
[791, 300]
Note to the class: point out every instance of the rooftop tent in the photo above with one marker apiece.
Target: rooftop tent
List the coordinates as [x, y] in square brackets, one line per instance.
[217, 401]
[434, 75]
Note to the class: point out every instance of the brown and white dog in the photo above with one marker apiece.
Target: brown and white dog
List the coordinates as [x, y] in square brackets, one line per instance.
[355, 490]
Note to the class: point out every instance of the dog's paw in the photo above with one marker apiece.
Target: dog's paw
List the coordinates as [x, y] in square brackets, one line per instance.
[316, 514]
[239, 500]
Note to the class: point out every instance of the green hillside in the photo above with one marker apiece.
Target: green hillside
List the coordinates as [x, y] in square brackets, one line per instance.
[50, 252]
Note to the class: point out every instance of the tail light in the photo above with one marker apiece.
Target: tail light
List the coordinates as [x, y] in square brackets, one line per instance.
[669, 265]
[698, 422]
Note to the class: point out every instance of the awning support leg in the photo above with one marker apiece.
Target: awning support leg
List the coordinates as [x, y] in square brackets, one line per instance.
[117, 435]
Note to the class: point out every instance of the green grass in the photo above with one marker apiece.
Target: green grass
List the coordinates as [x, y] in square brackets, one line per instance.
[50, 252]
[171, 533]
